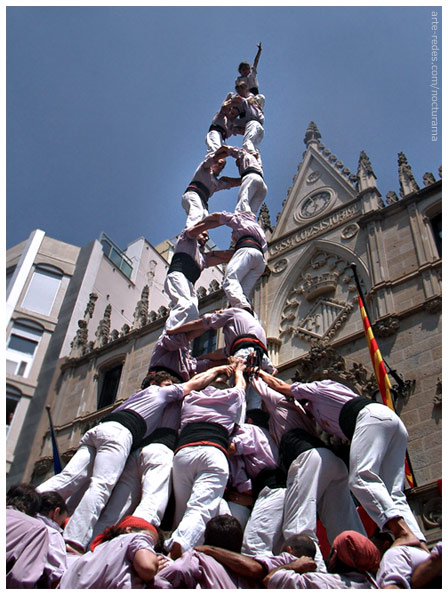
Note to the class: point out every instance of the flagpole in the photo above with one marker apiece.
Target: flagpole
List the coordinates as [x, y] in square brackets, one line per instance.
[56, 458]
[392, 372]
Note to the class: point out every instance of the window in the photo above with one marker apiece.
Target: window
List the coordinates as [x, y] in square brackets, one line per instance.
[206, 343]
[108, 387]
[117, 256]
[22, 346]
[13, 396]
[42, 290]
[436, 225]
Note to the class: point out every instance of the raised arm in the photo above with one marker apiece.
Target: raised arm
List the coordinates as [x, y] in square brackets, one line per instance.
[239, 376]
[279, 385]
[188, 327]
[203, 379]
[257, 57]
[208, 222]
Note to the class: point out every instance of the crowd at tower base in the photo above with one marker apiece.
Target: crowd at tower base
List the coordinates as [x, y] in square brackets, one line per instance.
[214, 474]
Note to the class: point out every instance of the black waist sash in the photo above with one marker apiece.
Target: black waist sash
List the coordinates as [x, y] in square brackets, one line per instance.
[166, 436]
[131, 420]
[271, 477]
[251, 170]
[218, 128]
[349, 413]
[184, 263]
[201, 190]
[203, 433]
[248, 242]
[244, 341]
[293, 443]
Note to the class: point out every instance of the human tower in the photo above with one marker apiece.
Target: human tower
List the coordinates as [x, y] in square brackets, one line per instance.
[238, 451]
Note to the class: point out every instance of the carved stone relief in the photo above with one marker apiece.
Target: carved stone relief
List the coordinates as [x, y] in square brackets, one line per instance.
[311, 310]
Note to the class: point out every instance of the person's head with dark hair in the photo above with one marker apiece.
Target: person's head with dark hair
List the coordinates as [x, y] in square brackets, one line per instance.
[258, 417]
[224, 531]
[54, 507]
[24, 497]
[130, 524]
[382, 539]
[299, 545]
[158, 377]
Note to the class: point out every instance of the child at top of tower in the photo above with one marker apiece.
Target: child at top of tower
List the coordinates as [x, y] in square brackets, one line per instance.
[248, 73]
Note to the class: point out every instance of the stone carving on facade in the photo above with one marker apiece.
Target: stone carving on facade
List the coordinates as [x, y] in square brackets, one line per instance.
[350, 231]
[323, 361]
[391, 197]
[437, 400]
[79, 343]
[68, 454]
[386, 327]
[201, 292]
[428, 178]
[103, 330]
[88, 313]
[125, 330]
[312, 134]
[405, 176]
[114, 335]
[162, 312]
[141, 309]
[279, 266]
[433, 305]
[317, 284]
[313, 177]
[264, 218]
[432, 513]
[152, 316]
[214, 286]
[440, 172]
[42, 465]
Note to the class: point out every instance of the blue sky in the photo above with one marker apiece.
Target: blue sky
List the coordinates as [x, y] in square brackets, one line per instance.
[108, 107]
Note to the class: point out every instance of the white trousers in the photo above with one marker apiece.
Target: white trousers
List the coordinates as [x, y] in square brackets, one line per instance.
[251, 194]
[200, 475]
[143, 489]
[213, 140]
[377, 455]
[184, 301]
[194, 208]
[100, 459]
[317, 483]
[242, 272]
[240, 512]
[253, 135]
[263, 532]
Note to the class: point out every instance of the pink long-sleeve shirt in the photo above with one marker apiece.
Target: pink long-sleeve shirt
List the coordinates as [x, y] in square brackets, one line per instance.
[254, 451]
[244, 160]
[324, 400]
[204, 175]
[284, 414]
[216, 405]
[173, 352]
[234, 323]
[243, 224]
[109, 566]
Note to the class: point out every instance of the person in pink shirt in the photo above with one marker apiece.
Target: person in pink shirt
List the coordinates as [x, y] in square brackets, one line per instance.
[188, 262]
[397, 566]
[123, 557]
[221, 126]
[253, 189]
[247, 262]
[196, 570]
[204, 184]
[200, 466]
[53, 514]
[244, 338]
[27, 540]
[352, 564]
[377, 450]
[248, 73]
[104, 449]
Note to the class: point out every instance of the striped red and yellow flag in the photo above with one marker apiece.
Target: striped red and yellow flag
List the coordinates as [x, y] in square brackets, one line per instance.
[381, 375]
